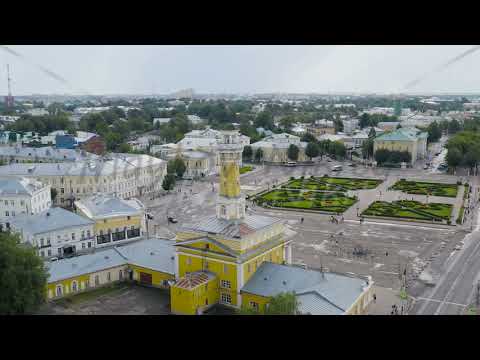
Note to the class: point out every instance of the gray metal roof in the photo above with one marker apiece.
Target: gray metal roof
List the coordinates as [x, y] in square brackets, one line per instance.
[17, 185]
[49, 220]
[325, 292]
[105, 206]
[46, 152]
[118, 163]
[232, 228]
[155, 254]
[84, 264]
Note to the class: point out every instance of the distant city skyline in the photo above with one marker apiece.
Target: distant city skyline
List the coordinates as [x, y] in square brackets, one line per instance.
[161, 70]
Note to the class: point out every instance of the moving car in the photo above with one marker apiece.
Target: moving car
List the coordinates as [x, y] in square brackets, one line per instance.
[291, 163]
[172, 220]
[337, 168]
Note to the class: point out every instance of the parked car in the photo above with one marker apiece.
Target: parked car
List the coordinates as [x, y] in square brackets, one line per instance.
[337, 168]
[172, 220]
[54, 259]
[425, 167]
[291, 163]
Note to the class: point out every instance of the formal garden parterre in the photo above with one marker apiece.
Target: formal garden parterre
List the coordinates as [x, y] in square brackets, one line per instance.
[426, 188]
[327, 183]
[331, 202]
[409, 209]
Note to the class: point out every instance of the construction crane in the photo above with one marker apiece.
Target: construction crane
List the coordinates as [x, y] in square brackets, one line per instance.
[9, 101]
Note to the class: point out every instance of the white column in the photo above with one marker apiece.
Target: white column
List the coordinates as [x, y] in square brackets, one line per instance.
[240, 281]
[289, 254]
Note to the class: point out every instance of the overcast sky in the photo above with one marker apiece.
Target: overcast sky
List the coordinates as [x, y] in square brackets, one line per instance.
[238, 69]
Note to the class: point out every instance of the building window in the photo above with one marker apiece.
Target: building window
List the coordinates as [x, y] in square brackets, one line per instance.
[97, 280]
[254, 305]
[42, 242]
[74, 286]
[89, 244]
[83, 245]
[226, 298]
[226, 284]
[109, 277]
[12, 202]
[7, 213]
[120, 275]
[248, 268]
[62, 191]
[88, 233]
[42, 253]
[73, 236]
[189, 261]
[225, 268]
[6, 202]
[59, 290]
[49, 252]
[48, 241]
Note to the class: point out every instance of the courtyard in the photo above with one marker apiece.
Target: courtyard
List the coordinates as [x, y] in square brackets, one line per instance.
[117, 299]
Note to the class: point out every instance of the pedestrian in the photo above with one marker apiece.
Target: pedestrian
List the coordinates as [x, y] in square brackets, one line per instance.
[374, 298]
[301, 220]
[386, 253]
[343, 219]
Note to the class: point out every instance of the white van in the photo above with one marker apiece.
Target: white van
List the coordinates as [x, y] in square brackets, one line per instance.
[337, 168]
[291, 163]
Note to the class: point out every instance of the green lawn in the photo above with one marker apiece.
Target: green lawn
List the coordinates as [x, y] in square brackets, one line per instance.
[323, 201]
[245, 169]
[410, 210]
[332, 183]
[426, 188]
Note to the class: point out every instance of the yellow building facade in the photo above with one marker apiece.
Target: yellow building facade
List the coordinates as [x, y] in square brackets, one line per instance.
[230, 245]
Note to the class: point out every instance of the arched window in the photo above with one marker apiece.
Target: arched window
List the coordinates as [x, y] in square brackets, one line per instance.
[74, 286]
[59, 290]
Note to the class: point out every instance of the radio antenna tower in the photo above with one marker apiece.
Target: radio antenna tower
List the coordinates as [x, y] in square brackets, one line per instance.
[9, 102]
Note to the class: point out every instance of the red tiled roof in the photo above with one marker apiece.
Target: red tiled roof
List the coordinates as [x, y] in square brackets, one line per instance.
[192, 280]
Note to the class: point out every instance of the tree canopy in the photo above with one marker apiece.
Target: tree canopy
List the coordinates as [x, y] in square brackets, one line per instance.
[292, 152]
[283, 304]
[23, 278]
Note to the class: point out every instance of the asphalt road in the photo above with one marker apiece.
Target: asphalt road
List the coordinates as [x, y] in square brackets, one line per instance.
[457, 286]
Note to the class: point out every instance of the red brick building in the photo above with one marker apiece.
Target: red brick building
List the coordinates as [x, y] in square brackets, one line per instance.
[95, 145]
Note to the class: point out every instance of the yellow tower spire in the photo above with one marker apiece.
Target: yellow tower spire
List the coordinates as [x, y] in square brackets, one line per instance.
[230, 203]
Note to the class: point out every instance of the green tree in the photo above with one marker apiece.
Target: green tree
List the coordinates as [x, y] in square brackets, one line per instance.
[312, 150]
[259, 155]
[434, 132]
[453, 126]
[171, 167]
[180, 167]
[283, 304]
[264, 119]
[372, 133]
[168, 182]
[338, 125]
[247, 152]
[367, 148]
[454, 157]
[382, 156]
[124, 148]
[53, 193]
[23, 277]
[292, 152]
[308, 137]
